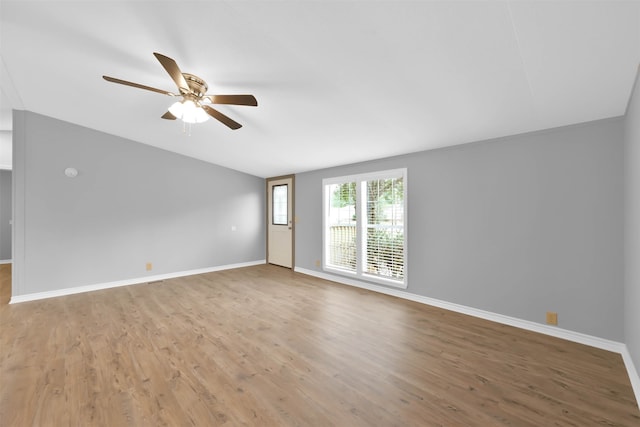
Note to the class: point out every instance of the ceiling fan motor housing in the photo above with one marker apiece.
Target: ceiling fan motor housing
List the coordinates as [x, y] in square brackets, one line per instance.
[197, 86]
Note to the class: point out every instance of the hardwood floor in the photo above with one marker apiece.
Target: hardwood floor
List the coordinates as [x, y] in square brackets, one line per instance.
[263, 346]
[5, 283]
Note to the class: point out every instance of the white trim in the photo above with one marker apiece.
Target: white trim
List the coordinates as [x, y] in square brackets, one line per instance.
[5, 167]
[390, 173]
[604, 344]
[369, 277]
[633, 373]
[5, 261]
[80, 289]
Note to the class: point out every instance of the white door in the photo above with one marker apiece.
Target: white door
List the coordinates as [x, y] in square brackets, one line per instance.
[280, 221]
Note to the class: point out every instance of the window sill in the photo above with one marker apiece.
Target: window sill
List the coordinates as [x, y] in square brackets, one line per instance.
[366, 278]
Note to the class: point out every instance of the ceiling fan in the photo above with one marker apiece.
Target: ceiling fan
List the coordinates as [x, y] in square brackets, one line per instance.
[195, 104]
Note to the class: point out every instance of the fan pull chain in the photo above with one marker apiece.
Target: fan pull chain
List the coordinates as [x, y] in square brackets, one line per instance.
[184, 128]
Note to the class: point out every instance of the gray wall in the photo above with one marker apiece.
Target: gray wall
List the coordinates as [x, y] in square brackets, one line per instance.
[129, 205]
[632, 227]
[5, 215]
[517, 226]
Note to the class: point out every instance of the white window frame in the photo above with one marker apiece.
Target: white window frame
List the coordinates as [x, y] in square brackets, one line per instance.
[361, 225]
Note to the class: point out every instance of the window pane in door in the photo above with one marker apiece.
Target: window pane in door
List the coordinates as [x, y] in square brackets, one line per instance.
[279, 204]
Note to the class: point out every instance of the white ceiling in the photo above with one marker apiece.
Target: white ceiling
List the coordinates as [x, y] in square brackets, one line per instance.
[336, 81]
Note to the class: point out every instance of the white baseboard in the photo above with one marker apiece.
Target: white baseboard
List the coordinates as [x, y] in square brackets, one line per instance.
[614, 346]
[633, 373]
[80, 289]
[5, 261]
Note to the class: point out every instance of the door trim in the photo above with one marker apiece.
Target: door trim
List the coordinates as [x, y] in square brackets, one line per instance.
[293, 214]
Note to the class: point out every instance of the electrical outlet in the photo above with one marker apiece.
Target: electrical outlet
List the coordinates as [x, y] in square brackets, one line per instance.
[317, 263]
[552, 318]
[149, 266]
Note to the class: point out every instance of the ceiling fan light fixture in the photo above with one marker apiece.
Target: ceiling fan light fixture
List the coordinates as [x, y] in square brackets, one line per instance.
[200, 115]
[176, 109]
[188, 112]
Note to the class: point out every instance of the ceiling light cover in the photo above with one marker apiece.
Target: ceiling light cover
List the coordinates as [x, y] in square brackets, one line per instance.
[188, 112]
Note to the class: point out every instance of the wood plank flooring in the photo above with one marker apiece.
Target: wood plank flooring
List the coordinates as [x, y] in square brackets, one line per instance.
[5, 283]
[264, 346]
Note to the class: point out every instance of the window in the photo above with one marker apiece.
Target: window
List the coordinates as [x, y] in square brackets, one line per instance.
[279, 204]
[365, 226]
[341, 226]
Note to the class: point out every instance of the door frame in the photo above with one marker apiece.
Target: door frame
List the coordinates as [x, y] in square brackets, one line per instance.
[293, 216]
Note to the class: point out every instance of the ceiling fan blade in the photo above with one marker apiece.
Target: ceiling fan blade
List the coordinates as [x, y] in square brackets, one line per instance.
[221, 117]
[139, 86]
[174, 71]
[168, 116]
[234, 99]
